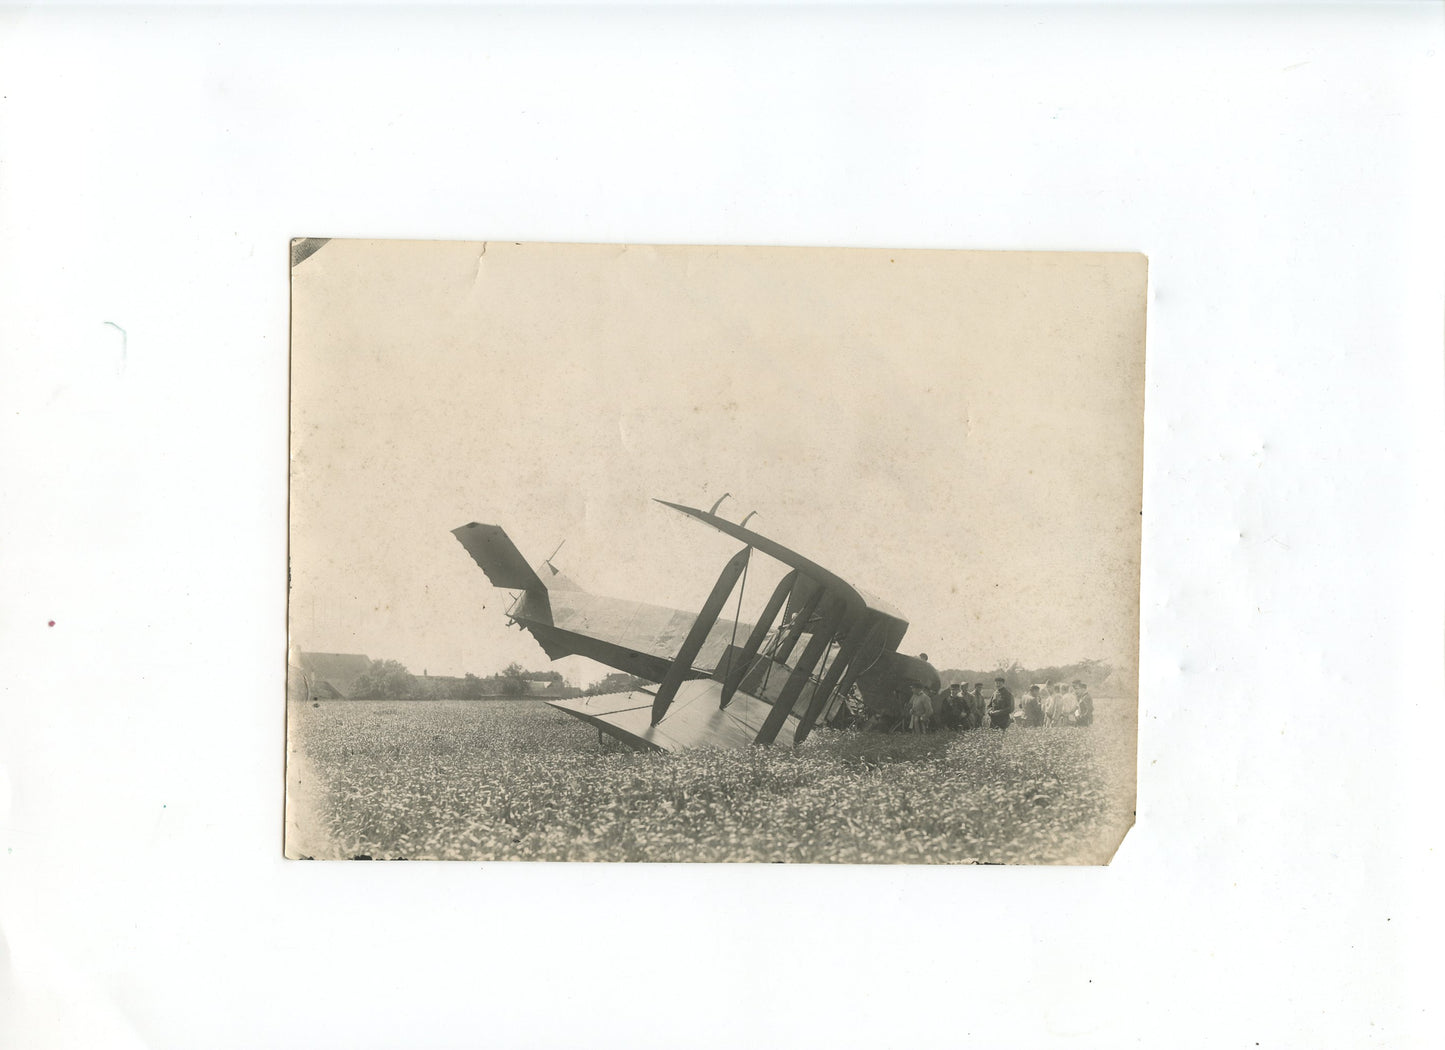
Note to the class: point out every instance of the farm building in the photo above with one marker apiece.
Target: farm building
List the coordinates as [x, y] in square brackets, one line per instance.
[330, 676]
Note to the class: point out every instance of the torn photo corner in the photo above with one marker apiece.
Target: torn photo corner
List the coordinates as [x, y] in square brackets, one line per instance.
[701, 553]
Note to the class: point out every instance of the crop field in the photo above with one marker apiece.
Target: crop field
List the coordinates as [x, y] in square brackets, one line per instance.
[517, 780]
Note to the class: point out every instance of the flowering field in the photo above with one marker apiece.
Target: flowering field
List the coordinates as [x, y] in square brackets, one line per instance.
[517, 780]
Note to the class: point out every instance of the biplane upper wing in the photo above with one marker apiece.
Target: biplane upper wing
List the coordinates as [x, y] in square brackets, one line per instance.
[811, 571]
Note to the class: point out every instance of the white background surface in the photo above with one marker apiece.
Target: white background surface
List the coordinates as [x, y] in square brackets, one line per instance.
[1280, 168]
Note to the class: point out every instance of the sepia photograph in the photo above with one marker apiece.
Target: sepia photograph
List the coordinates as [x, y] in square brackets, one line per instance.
[682, 553]
[767, 499]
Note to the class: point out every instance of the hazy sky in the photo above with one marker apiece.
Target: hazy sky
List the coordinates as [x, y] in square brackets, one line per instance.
[958, 432]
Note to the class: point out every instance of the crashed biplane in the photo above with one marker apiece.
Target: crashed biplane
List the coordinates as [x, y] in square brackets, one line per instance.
[818, 642]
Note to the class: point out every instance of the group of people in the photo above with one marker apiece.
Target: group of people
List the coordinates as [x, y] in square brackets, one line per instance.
[1058, 704]
[1053, 704]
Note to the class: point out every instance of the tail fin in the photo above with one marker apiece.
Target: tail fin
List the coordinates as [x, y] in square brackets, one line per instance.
[494, 551]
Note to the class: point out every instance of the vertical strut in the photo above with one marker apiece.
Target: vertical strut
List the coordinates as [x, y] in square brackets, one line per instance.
[799, 625]
[681, 664]
[855, 640]
[817, 646]
[743, 661]
[865, 652]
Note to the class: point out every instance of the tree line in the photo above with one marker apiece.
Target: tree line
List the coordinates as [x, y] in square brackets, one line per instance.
[390, 680]
[1018, 677]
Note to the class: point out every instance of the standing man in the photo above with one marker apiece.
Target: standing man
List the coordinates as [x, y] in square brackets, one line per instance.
[1033, 709]
[922, 709]
[976, 710]
[1086, 705]
[950, 708]
[1068, 705]
[902, 717]
[1001, 707]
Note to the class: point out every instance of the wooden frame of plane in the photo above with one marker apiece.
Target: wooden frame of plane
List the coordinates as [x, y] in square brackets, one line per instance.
[711, 691]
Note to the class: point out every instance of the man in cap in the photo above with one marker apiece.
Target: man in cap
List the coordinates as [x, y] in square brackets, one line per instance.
[1001, 707]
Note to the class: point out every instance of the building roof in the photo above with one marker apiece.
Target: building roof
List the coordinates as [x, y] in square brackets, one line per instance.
[338, 670]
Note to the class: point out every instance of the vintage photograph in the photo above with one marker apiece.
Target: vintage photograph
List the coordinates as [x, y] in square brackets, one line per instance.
[719, 554]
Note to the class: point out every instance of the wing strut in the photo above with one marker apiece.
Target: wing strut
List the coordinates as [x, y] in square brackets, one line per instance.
[733, 642]
[817, 646]
[855, 640]
[681, 665]
[743, 662]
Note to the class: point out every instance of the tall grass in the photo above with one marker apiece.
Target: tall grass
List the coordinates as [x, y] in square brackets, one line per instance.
[520, 781]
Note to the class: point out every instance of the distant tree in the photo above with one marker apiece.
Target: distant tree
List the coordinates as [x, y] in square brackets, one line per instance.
[471, 687]
[514, 680]
[384, 680]
[616, 682]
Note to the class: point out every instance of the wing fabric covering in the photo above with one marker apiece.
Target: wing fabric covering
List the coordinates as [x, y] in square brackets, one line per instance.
[694, 719]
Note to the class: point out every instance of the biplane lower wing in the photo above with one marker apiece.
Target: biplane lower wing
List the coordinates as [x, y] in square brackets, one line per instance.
[694, 719]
